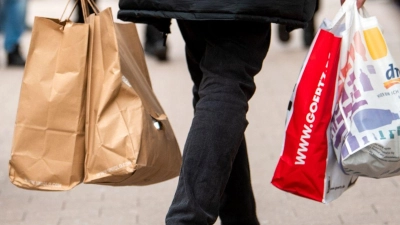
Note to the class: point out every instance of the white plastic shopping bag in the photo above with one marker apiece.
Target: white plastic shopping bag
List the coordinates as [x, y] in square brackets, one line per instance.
[308, 166]
[366, 121]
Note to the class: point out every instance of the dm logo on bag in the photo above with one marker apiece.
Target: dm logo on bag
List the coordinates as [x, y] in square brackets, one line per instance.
[392, 74]
[376, 46]
[377, 49]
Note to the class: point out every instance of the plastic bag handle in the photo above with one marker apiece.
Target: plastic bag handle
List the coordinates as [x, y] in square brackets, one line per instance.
[348, 10]
[346, 7]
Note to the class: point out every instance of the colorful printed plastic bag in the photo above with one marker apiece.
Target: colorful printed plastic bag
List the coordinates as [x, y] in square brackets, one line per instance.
[366, 122]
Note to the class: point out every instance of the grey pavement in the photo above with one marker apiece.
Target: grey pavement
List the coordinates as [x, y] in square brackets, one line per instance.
[369, 202]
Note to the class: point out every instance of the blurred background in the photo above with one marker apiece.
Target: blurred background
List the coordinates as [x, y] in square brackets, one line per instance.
[369, 202]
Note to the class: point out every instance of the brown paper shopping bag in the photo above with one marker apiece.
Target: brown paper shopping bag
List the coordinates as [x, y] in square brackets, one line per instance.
[128, 136]
[48, 144]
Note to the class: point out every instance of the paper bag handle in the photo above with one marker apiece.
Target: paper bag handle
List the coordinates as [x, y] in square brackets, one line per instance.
[85, 8]
[92, 5]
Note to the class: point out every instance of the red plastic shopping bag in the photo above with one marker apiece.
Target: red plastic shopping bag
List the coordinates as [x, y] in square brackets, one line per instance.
[308, 166]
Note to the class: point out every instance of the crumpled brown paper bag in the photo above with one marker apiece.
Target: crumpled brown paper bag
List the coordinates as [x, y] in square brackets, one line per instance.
[48, 144]
[129, 139]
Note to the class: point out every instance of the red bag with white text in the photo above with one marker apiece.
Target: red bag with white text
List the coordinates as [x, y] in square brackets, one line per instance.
[308, 166]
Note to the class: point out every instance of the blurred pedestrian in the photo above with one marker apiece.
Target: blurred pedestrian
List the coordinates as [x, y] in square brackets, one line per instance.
[155, 45]
[308, 31]
[13, 14]
[397, 2]
[226, 44]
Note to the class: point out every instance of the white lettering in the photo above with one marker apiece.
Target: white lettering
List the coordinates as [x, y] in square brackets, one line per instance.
[310, 118]
[43, 183]
[114, 168]
[303, 146]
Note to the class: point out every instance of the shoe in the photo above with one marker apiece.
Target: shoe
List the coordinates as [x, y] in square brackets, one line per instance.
[14, 58]
[284, 36]
[156, 49]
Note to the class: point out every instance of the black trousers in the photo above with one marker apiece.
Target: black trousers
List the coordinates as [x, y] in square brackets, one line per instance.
[223, 57]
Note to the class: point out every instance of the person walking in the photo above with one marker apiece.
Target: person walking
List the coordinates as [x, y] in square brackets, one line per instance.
[308, 31]
[13, 14]
[226, 43]
[154, 44]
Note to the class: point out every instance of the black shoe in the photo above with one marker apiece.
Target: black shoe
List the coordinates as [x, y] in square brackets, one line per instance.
[15, 58]
[284, 36]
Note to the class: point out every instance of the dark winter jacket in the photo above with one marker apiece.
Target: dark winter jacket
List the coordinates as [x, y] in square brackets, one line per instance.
[294, 13]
